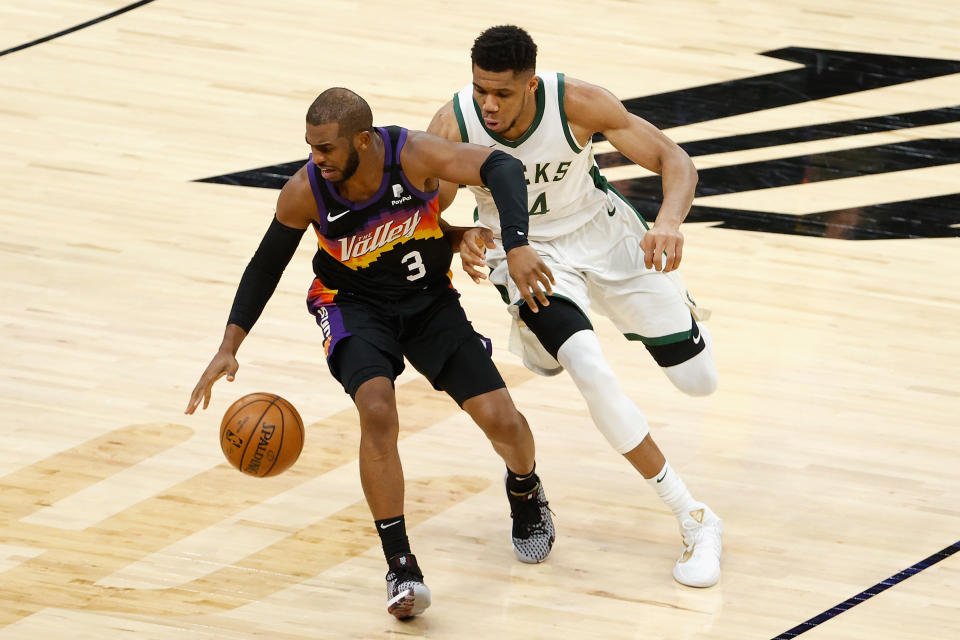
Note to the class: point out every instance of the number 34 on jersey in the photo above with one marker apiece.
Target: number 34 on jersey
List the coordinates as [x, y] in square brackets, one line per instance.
[545, 172]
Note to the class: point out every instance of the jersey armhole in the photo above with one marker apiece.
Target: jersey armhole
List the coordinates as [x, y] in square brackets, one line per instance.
[461, 124]
[571, 139]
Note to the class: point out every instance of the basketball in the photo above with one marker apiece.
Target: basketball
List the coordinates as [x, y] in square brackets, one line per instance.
[261, 434]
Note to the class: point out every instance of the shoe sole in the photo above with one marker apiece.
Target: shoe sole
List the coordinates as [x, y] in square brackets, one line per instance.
[405, 605]
[528, 560]
[698, 584]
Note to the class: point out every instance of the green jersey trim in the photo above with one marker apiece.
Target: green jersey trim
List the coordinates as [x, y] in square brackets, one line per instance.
[541, 101]
[563, 117]
[628, 203]
[599, 181]
[461, 123]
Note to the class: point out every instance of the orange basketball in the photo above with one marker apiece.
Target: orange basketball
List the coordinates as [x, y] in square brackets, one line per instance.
[261, 434]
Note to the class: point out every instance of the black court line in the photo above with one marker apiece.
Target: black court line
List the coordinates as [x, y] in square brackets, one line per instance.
[869, 593]
[808, 133]
[76, 28]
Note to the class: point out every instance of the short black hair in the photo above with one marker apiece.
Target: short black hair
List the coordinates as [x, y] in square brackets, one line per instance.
[504, 48]
[344, 107]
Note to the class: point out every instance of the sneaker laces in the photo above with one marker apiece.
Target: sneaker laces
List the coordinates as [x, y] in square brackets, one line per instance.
[526, 511]
[695, 533]
[405, 573]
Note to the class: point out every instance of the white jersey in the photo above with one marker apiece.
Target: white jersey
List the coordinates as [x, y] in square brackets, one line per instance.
[564, 187]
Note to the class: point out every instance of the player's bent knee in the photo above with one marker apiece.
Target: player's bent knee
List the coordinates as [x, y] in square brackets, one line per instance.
[688, 363]
[591, 374]
[496, 415]
[695, 377]
[377, 408]
[583, 359]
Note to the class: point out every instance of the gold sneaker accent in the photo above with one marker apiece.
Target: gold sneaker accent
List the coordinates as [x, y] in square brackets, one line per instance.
[697, 515]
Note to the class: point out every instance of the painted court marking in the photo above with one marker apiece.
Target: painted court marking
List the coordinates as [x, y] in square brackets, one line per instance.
[83, 25]
[849, 603]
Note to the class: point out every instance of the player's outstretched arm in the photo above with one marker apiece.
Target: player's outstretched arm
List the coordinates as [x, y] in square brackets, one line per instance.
[470, 242]
[429, 157]
[444, 125]
[258, 283]
[592, 109]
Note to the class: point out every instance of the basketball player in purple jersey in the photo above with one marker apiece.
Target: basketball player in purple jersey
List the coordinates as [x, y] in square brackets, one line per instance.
[599, 250]
[382, 292]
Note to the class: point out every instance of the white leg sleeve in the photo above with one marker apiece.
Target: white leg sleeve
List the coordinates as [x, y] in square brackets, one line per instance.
[698, 375]
[615, 415]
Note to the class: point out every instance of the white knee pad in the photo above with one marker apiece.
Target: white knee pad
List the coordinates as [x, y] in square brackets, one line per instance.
[698, 375]
[616, 416]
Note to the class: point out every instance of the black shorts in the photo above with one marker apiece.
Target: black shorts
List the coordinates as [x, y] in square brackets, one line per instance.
[366, 339]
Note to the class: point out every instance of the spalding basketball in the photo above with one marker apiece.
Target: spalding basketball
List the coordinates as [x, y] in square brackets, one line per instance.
[261, 434]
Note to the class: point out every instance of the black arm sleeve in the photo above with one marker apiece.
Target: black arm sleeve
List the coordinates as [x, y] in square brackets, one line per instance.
[503, 174]
[261, 276]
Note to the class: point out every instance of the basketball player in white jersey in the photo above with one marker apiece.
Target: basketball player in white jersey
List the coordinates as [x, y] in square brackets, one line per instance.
[599, 251]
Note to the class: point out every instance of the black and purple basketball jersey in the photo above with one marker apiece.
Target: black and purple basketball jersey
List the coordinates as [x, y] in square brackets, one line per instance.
[387, 248]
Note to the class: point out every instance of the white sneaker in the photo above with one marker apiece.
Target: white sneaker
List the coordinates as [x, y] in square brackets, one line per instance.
[699, 565]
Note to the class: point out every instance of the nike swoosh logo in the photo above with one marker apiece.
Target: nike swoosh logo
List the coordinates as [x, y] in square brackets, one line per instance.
[384, 525]
[696, 339]
[660, 479]
[331, 218]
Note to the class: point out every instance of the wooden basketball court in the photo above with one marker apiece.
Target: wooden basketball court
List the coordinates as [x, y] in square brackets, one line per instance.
[824, 240]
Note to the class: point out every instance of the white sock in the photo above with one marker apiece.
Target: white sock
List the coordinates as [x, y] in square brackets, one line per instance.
[669, 486]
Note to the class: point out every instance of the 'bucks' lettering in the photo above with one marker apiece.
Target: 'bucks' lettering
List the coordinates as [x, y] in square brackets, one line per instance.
[541, 173]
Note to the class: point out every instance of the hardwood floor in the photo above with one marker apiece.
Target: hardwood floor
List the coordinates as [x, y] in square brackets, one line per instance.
[829, 450]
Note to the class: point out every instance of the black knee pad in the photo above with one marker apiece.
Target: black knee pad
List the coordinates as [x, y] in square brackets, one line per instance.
[668, 355]
[554, 324]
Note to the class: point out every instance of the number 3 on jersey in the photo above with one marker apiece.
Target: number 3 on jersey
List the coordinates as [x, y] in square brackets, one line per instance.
[415, 266]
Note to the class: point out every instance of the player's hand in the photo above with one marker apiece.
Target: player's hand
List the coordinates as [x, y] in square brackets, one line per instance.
[223, 364]
[529, 272]
[659, 241]
[473, 248]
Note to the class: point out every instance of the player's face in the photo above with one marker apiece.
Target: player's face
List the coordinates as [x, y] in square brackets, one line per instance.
[506, 99]
[335, 156]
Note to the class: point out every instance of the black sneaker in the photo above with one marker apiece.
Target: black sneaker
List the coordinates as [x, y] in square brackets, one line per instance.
[407, 596]
[533, 532]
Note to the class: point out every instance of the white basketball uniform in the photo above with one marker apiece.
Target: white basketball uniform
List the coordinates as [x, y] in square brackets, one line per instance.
[585, 232]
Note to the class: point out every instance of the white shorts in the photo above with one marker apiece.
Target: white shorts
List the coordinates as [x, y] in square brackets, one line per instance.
[601, 265]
